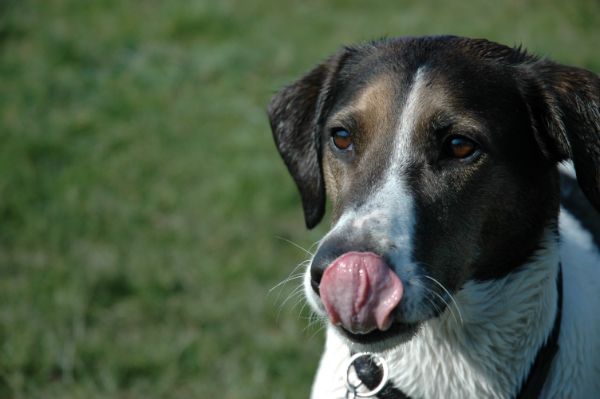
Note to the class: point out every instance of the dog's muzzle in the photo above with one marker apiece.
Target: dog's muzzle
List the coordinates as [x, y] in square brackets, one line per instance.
[358, 289]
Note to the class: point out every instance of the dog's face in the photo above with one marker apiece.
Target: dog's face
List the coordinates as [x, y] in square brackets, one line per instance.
[438, 155]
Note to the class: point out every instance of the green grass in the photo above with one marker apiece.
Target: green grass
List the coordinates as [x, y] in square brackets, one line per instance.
[141, 194]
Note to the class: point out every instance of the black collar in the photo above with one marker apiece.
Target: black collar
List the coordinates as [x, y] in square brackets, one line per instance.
[370, 374]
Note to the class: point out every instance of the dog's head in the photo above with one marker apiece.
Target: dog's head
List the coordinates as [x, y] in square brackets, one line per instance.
[439, 155]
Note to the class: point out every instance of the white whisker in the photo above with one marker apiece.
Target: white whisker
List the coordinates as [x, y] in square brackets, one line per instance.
[299, 299]
[414, 281]
[296, 291]
[287, 280]
[429, 299]
[293, 243]
[315, 320]
[451, 297]
[292, 276]
[315, 243]
[316, 332]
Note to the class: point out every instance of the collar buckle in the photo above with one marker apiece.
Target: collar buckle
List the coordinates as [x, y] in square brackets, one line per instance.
[352, 392]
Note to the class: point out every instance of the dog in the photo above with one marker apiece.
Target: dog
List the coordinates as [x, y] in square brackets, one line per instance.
[454, 265]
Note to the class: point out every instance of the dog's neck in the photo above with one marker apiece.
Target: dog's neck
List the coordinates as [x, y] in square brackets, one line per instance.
[487, 349]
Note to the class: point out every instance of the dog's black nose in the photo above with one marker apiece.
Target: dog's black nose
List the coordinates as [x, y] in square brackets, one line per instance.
[327, 253]
[331, 249]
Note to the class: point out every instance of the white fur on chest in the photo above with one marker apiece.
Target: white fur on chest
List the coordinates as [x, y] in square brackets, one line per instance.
[504, 322]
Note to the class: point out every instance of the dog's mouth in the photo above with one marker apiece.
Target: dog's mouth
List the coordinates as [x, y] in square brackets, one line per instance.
[359, 292]
[364, 299]
[397, 331]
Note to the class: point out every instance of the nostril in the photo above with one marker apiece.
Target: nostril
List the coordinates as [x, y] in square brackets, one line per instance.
[317, 268]
[316, 274]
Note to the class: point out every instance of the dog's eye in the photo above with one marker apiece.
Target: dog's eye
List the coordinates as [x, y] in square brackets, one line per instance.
[341, 139]
[460, 147]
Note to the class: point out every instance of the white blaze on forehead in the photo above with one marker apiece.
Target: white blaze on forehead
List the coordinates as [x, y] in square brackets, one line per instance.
[395, 195]
[408, 119]
[389, 212]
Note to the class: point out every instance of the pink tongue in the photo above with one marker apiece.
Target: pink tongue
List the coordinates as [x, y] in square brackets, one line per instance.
[360, 291]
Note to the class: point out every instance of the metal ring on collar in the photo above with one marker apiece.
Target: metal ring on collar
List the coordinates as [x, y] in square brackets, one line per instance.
[384, 379]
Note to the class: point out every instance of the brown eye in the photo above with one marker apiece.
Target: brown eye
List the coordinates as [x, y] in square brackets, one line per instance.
[341, 139]
[460, 147]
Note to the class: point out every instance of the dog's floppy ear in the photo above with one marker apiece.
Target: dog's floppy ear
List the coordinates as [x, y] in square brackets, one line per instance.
[570, 116]
[294, 115]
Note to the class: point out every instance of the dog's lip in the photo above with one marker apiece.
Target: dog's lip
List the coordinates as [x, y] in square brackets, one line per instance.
[395, 330]
[387, 326]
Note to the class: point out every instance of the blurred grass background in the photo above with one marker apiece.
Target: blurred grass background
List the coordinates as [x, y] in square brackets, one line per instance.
[141, 194]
